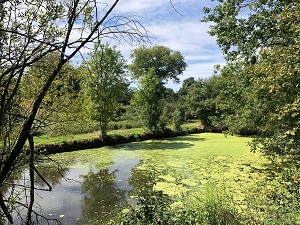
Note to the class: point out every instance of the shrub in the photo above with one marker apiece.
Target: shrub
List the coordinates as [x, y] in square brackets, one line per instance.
[155, 208]
[215, 207]
[177, 120]
[276, 200]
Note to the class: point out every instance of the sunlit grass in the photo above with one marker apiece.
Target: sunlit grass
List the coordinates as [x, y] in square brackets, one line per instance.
[50, 139]
[47, 139]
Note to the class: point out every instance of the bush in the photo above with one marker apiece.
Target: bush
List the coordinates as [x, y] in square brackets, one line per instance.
[155, 208]
[215, 207]
[276, 200]
[177, 120]
[126, 124]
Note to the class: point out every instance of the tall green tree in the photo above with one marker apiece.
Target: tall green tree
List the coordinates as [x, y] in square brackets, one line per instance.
[152, 68]
[240, 112]
[148, 101]
[106, 84]
[165, 63]
[269, 41]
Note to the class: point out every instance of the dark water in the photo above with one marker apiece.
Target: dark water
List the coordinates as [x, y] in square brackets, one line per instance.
[83, 192]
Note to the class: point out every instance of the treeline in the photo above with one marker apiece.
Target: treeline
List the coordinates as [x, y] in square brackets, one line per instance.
[97, 94]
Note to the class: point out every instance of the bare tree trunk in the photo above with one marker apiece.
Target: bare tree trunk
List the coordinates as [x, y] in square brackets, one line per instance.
[31, 175]
[5, 210]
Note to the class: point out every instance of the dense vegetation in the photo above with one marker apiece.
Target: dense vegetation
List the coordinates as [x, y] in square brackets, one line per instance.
[255, 93]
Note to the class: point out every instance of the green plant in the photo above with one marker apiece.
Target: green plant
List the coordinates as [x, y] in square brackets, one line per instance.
[155, 208]
[276, 200]
[177, 120]
[214, 206]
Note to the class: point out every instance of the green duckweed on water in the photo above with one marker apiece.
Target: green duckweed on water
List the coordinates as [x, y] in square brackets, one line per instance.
[182, 164]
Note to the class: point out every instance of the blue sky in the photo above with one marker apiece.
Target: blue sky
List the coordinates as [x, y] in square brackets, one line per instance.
[181, 31]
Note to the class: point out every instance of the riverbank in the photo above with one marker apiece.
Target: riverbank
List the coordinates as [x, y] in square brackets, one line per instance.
[114, 139]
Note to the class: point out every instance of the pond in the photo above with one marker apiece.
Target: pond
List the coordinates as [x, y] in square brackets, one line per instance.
[94, 186]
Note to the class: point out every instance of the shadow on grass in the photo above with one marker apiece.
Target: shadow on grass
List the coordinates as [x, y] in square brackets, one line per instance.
[163, 144]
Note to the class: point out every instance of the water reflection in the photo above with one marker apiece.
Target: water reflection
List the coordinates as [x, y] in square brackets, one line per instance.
[106, 191]
[83, 194]
[101, 197]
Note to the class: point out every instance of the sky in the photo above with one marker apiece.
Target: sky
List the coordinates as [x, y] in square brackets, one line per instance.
[176, 24]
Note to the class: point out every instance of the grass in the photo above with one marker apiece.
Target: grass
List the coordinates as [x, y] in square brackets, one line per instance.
[47, 139]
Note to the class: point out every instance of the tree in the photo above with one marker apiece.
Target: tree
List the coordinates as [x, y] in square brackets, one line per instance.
[239, 111]
[152, 67]
[241, 37]
[199, 100]
[166, 64]
[266, 81]
[31, 30]
[63, 102]
[271, 34]
[148, 101]
[106, 84]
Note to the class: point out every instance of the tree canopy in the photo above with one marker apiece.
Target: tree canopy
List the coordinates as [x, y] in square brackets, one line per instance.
[165, 63]
[244, 27]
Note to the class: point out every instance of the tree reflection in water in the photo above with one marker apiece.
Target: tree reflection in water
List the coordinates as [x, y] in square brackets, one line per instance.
[102, 199]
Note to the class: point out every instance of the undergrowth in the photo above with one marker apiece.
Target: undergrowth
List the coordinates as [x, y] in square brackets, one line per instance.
[214, 207]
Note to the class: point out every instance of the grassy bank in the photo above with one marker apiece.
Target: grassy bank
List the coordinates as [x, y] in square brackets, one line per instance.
[52, 139]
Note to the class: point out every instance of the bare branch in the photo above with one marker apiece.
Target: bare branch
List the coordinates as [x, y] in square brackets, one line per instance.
[175, 8]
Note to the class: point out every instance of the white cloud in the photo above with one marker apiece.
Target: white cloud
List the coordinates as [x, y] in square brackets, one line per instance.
[182, 33]
[138, 5]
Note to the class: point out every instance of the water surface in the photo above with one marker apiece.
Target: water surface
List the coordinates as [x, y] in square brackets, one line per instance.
[94, 186]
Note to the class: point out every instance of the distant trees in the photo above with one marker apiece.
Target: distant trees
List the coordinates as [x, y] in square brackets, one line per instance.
[63, 100]
[106, 84]
[152, 67]
[198, 101]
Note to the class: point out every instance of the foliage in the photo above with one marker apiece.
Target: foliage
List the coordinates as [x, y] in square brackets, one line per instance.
[198, 99]
[152, 67]
[165, 63]
[276, 200]
[241, 35]
[106, 84]
[215, 206]
[261, 95]
[235, 101]
[177, 120]
[154, 207]
[63, 101]
[148, 100]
